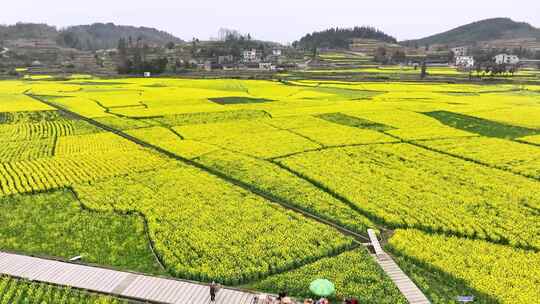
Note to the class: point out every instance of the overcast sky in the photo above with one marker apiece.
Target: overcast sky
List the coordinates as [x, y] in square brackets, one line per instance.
[277, 20]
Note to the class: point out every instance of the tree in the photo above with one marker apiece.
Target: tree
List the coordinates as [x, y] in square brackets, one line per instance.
[122, 55]
[380, 55]
[170, 45]
[314, 53]
[478, 68]
[399, 56]
[512, 69]
[423, 72]
[451, 57]
[69, 39]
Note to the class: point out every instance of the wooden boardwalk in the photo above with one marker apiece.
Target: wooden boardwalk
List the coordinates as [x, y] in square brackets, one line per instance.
[406, 286]
[118, 283]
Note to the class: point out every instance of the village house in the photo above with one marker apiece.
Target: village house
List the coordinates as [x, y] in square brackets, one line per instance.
[267, 66]
[465, 62]
[277, 52]
[506, 59]
[460, 51]
[252, 55]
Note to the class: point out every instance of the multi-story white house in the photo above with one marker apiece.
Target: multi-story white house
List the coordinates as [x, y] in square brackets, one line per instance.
[465, 61]
[252, 55]
[460, 51]
[506, 59]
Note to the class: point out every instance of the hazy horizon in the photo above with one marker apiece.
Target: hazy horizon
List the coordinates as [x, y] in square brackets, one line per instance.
[281, 21]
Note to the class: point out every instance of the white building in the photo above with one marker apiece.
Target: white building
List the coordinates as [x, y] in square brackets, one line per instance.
[277, 52]
[506, 59]
[460, 51]
[465, 61]
[251, 55]
[267, 66]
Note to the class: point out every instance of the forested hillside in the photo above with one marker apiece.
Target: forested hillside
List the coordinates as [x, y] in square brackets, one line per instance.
[485, 30]
[106, 35]
[341, 37]
[85, 37]
[27, 31]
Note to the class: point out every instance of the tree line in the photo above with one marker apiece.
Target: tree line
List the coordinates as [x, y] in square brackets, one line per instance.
[132, 58]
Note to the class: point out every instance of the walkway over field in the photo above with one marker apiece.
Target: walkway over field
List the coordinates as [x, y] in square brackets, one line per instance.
[118, 283]
[412, 293]
[161, 290]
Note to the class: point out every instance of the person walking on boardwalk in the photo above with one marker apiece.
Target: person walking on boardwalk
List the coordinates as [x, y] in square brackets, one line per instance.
[213, 290]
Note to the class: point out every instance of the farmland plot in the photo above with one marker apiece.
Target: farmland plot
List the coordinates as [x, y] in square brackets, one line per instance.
[19, 291]
[350, 272]
[508, 155]
[197, 228]
[55, 224]
[484, 269]
[406, 186]
[456, 163]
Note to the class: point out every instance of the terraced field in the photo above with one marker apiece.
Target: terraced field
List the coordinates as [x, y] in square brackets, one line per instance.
[268, 185]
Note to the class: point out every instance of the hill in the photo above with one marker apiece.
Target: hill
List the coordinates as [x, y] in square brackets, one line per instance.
[85, 37]
[106, 35]
[27, 31]
[484, 30]
[340, 38]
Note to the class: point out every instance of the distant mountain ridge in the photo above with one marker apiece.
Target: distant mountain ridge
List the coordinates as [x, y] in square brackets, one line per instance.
[484, 30]
[86, 37]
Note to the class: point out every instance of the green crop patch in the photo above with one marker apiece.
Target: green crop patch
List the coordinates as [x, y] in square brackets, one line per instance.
[351, 121]
[98, 83]
[238, 100]
[481, 126]
[460, 93]
[155, 85]
[351, 94]
[59, 227]
[13, 290]
[210, 117]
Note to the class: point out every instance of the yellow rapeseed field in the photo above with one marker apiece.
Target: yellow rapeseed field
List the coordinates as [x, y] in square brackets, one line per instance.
[215, 166]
